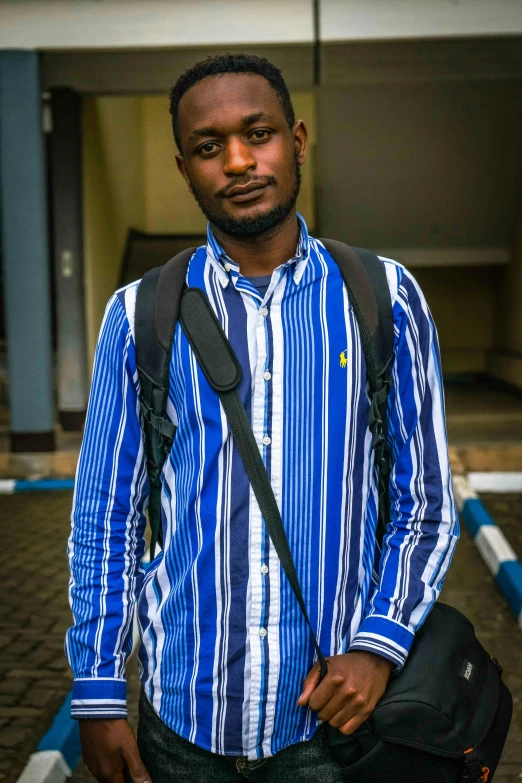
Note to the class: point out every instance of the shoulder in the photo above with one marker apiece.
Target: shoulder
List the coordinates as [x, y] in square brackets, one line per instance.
[406, 293]
[125, 298]
[123, 303]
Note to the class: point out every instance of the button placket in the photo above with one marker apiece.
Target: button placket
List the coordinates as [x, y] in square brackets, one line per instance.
[269, 563]
[258, 630]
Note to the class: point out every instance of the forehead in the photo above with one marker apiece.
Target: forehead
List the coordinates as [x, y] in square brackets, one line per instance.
[223, 100]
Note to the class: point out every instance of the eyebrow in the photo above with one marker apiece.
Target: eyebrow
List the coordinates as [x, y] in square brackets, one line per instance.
[247, 120]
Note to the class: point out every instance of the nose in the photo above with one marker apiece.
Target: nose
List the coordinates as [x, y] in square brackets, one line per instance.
[238, 158]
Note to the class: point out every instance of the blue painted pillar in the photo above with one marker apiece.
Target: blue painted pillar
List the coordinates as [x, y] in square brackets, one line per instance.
[25, 253]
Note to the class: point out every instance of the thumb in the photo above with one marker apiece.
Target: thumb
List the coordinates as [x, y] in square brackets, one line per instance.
[135, 765]
[310, 683]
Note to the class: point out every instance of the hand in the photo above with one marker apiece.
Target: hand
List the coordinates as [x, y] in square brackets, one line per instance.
[347, 696]
[109, 747]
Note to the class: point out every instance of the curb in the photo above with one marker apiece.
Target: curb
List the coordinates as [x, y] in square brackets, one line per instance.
[492, 544]
[48, 766]
[10, 486]
[496, 482]
[58, 752]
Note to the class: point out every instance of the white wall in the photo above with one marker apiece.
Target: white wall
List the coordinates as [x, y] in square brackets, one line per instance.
[62, 24]
[359, 20]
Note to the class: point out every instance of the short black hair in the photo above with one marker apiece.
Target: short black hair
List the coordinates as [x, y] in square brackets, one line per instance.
[216, 65]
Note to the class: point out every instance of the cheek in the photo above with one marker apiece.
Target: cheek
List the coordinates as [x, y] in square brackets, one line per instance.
[274, 155]
[206, 177]
[279, 162]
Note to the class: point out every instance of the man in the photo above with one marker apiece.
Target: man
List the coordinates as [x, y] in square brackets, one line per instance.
[230, 688]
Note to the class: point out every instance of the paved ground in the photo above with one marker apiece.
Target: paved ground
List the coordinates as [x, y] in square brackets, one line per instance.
[34, 613]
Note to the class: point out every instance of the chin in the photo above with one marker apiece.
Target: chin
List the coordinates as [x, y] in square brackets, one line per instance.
[252, 219]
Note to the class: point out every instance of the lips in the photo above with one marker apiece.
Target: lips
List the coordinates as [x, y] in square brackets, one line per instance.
[247, 192]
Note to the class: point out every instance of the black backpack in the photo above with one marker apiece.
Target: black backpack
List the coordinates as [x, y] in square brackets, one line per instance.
[445, 717]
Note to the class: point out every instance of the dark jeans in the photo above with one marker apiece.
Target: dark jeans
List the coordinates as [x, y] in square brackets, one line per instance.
[170, 758]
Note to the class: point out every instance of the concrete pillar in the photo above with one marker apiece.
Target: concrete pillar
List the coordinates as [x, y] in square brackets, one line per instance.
[25, 253]
[66, 181]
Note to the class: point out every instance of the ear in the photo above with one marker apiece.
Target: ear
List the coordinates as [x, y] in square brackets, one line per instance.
[300, 135]
[180, 162]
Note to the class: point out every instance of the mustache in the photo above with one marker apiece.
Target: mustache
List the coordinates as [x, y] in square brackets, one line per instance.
[223, 193]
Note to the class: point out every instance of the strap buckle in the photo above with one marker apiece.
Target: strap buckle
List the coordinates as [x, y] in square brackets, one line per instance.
[160, 423]
[375, 422]
[474, 772]
[154, 473]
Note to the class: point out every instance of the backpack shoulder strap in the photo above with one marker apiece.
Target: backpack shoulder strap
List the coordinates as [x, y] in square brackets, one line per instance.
[365, 279]
[157, 308]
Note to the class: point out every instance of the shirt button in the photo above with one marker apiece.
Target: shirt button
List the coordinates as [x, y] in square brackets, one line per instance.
[227, 267]
[264, 311]
[262, 632]
[264, 569]
[267, 375]
[267, 441]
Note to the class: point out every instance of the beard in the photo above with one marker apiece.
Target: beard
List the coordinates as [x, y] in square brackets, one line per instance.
[257, 224]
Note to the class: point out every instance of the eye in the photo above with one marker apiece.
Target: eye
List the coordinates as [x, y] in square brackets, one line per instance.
[208, 147]
[260, 134]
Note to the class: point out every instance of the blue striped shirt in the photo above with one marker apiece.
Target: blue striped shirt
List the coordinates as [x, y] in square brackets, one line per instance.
[224, 647]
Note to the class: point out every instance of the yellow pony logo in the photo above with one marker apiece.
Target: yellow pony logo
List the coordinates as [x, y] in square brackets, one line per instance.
[344, 358]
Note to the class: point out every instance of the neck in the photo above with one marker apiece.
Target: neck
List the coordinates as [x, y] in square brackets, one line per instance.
[261, 254]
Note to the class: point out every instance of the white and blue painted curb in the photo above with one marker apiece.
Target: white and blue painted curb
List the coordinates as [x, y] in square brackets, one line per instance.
[491, 542]
[496, 482]
[58, 752]
[10, 486]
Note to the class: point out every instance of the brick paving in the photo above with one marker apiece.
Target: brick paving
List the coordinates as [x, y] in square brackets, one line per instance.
[34, 613]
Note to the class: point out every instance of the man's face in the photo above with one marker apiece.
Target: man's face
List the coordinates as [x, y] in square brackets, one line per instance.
[239, 156]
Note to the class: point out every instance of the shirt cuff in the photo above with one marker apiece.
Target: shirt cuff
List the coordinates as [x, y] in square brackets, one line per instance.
[384, 637]
[99, 697]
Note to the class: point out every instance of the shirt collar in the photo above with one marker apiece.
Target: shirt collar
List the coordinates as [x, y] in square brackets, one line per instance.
[225, 267]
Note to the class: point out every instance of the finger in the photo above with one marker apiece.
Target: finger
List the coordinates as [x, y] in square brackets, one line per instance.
[310, 683]
[328, 687]
[132, 758]
[335, 705]
[353, 723]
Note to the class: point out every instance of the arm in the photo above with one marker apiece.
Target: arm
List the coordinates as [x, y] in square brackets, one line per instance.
[421, 534]
[423, 529]
[106, 546]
